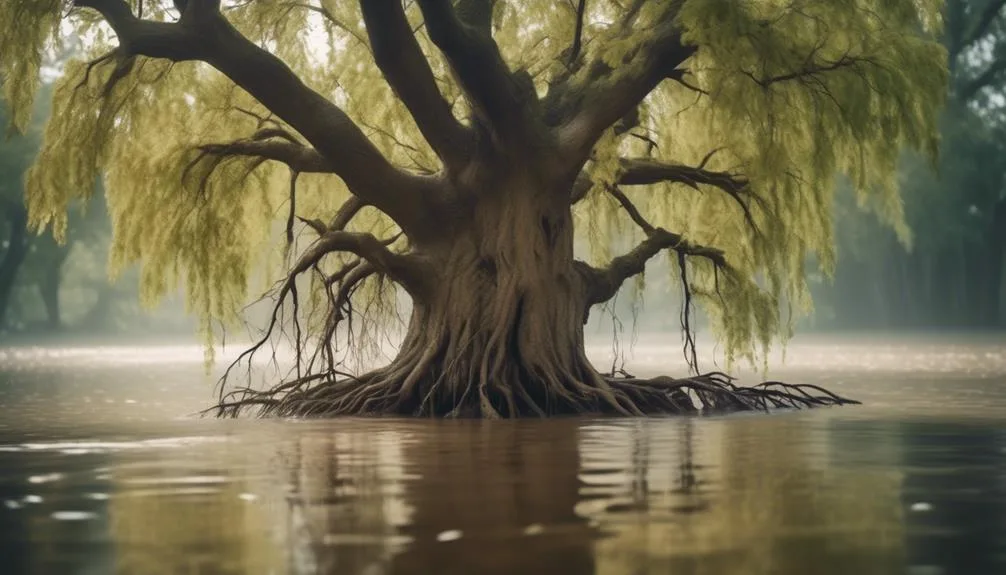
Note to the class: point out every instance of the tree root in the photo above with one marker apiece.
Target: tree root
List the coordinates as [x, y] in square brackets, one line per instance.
[490, 345]
[390, 391]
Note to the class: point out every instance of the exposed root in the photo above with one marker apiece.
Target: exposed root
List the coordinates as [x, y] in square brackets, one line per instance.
[392, 391]
[496, 338]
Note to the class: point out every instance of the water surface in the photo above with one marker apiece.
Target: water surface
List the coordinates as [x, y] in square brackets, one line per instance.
[103, 470]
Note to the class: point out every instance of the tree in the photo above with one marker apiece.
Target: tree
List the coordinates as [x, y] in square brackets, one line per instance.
[453, 150]
[36, 261]
[49, 261]
[15, 157]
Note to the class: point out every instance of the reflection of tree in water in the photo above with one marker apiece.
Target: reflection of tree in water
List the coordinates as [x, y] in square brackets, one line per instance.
[700, 496]
[366, 497]
[171, 524]
[316, 500]
[740, 496]
[345, 499]
[508, 490]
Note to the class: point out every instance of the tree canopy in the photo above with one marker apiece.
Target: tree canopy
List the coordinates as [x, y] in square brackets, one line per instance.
[725, 121]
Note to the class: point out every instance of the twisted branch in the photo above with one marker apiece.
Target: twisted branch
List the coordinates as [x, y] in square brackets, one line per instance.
[406, 69]
[476, 62]
[584, 109]
[604, 283]
[202, 33]
[299, 158]
[644, 172]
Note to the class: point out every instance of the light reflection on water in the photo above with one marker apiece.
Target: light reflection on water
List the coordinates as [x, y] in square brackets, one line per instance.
[912, 482]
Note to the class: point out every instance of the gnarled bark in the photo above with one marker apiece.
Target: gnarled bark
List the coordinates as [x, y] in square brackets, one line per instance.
[498, 332]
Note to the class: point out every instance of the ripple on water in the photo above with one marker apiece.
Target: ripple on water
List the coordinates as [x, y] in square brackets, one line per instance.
[73, 515]
[880, 489]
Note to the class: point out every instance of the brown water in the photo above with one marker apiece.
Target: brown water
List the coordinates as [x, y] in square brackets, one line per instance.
[102, 472]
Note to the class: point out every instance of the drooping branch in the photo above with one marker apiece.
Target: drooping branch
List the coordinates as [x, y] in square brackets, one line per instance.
[202, 33]
[348, 278]
[477, 64]
[643, 172]
[341, 274]
[300, 158]
[403, 64]
[808, 70]
[404, 269]
[348, 283]
[604, 283]
[292, 215]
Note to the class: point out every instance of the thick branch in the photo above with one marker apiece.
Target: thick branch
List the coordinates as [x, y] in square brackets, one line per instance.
[477, 14]
[605, 95]
[574, 51]
[142, 37]
[347, 212]
[204, 34]
[403, 64]
[300, 158]
[605, 282]
[477, 64]
[631, 209]
[402, 268]
[643, 172]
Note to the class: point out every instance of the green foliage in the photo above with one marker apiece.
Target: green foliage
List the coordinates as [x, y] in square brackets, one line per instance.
[790, 138]
[216, 228]
[31, 27]
[81, 260]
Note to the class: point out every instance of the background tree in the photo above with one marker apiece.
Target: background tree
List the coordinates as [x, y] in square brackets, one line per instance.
[453, 149]
[15, 156]
[48, 286]
[33, 262]
[953, 272]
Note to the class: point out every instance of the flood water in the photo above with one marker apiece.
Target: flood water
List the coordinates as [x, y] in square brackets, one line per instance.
[104, 470]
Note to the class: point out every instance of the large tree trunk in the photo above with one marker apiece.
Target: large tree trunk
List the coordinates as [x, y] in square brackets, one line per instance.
[502, 332]
[48, 289]
[50, 281]
[14, 256]
[497, 331]
[996, 272]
